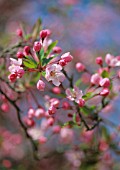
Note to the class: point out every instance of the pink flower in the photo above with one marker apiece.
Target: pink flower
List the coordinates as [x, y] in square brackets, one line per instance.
[54, 74]
[40, 85]
[95, 79]
[80, 67]
[112, 61]
[105, 92]
[67, 57]
[43, 34]
[15, 69]
[57, 50]
[75, 94]
[105, 82]
[99, 60]
[37, 46]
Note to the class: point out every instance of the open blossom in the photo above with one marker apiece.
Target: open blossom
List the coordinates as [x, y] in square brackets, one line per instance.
[112, 61]
[75, 94]
[15, 69]
[54, 74]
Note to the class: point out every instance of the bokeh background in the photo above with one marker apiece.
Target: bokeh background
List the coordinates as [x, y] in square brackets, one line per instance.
[86, 28]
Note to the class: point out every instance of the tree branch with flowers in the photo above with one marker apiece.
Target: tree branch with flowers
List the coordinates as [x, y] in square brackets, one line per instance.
[37, 72]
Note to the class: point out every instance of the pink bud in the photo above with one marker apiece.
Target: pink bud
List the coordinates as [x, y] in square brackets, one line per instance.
[105, 82]
[7, 164]
[57, 50]
[108, 58]
[42, 140]
[40, 85]
[62, 63]
[103, 146]
[54, 102]
[12, 77]
[39, 113]
[26, 50]
[5, 107]
[80, 67]
[50, 121]
[56, 129]
[43, 34]
[31, 113]
[99, 60]
[19, 32]
[37, 46]
[95, 79]
[20, 73]
[56, 90]
[81, 102]
[104, 92]
[19, 54]
[67, 57]
[30, 122]
[66, 105]
[51, 110]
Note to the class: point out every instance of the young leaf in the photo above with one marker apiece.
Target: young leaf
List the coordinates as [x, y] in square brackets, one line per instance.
[50, 47]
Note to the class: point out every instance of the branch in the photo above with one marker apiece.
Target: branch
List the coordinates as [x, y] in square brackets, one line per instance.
[34, 146]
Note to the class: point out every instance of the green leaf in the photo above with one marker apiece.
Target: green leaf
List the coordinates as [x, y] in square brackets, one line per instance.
[88, 95]
[36, 29]
[45, 61]
[43, 73]
[105, 74]
[29, 62]
[50, 47]
[78, 82]
[41, 54]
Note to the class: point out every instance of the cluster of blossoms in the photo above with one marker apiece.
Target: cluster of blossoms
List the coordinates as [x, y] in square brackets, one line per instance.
[40, 57]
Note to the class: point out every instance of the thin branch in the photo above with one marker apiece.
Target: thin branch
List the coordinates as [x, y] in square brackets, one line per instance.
[34, 146]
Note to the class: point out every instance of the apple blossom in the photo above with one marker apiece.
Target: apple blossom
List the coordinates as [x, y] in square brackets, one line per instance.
[54, 74]
[75, 94]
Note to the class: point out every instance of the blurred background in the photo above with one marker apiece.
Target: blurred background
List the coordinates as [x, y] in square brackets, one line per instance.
[86, 28]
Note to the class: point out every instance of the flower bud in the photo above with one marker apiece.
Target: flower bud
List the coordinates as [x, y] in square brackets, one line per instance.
[99, 60]
[42, 139]
[12, 77]
[39, 113]
[66, 105]
[19, 54]
[51, 110]
[108, 58]
[30, 122]
[31, 113]
[56, 90]
[43, 34]
[50, 121]
[80, 67]
[104, 92]
[37, 46]
[54, 102]
[19, 32]
[5, 107]
[81, 102]
[105, 82]
[95, 79]
[40, 85]
[57, 50]
[62, 63]
[67, 57]
[26, 50]
[56, 129]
